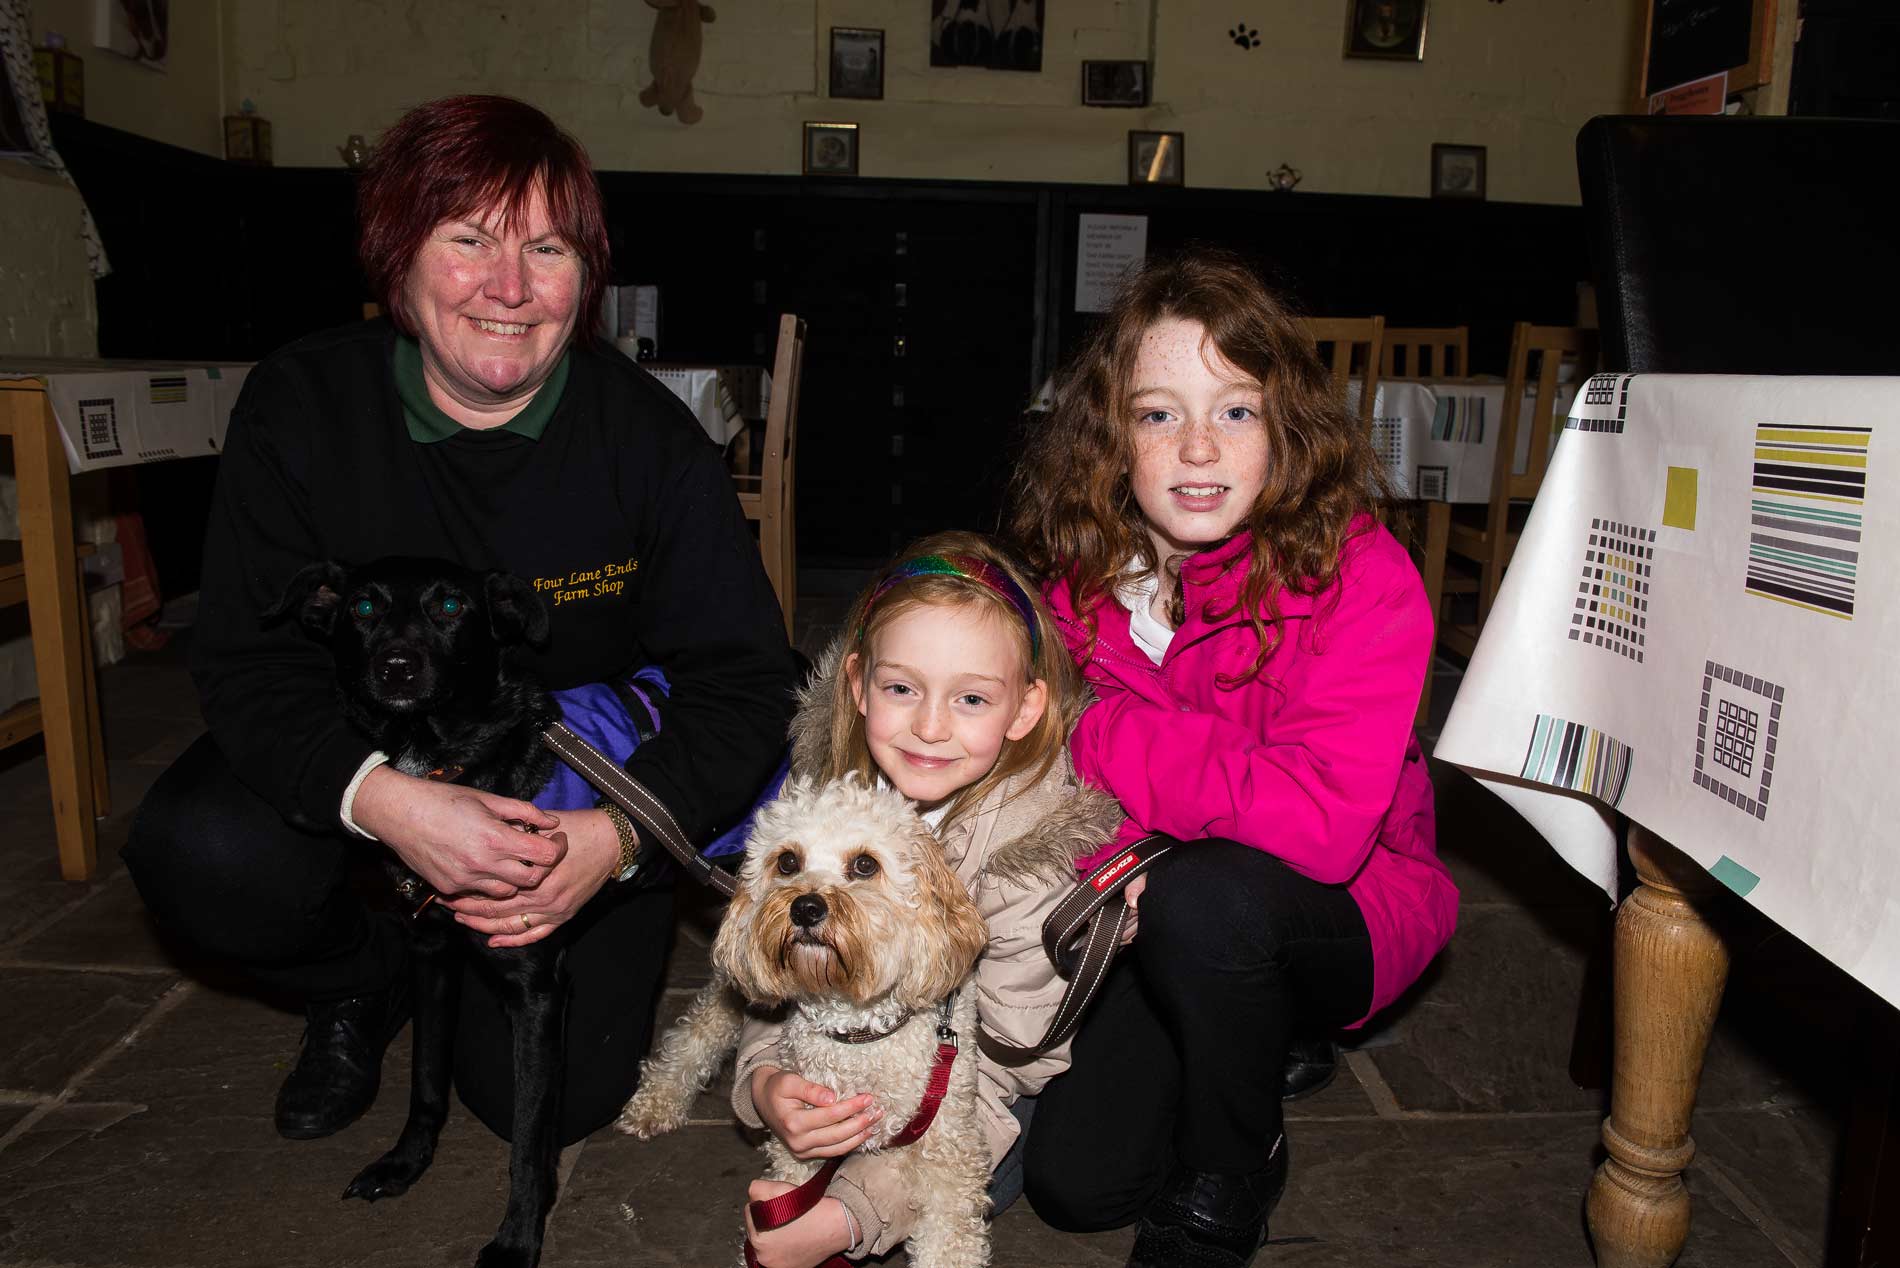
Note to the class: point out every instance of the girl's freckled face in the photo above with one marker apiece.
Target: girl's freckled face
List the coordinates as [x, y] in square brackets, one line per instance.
[1200, 440]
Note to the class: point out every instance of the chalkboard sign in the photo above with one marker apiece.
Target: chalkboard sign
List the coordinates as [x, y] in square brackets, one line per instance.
[1689, 39]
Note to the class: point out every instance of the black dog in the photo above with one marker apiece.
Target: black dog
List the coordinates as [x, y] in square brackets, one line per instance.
[423, 666]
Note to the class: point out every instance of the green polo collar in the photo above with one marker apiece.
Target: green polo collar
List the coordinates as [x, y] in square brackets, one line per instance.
[427, 423]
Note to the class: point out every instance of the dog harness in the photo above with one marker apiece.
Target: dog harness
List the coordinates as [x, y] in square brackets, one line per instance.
[777, 1212]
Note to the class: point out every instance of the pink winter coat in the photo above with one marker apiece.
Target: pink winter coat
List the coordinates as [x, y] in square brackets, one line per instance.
[1313, 761]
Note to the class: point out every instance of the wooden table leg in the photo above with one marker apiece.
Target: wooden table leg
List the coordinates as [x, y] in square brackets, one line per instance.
[52, 602]
[89, 676]
[1670, 971]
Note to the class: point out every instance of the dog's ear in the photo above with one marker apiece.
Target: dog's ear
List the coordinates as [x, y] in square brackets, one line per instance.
[515, 612]
[313, 597]
[949, 932]
[733, 951]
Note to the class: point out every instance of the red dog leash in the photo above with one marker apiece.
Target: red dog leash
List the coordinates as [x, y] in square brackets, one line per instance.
[782, 1210]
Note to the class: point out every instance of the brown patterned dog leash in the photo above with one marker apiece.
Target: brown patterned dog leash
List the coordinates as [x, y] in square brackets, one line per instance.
[1081, 936]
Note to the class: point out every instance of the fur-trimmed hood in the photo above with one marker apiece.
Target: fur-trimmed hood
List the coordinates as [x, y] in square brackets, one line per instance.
[1024, 831]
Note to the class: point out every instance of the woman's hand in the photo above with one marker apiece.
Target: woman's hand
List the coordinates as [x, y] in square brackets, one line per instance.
[807, 1241]
[1132, 896]
[809, 1119]
[592, 855]
[458, 840]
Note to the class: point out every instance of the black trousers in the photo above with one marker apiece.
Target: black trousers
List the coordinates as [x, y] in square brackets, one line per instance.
[1181, 1056]
[219, 867]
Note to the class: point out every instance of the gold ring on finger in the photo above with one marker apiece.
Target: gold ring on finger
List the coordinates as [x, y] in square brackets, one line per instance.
[526, 924]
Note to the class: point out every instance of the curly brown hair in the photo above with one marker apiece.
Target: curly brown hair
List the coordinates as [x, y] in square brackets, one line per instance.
[1072, 510]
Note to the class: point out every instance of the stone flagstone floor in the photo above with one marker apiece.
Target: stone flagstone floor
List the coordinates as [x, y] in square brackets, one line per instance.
[136, 1085]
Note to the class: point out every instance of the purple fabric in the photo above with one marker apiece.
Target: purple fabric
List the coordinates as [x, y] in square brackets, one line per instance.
[596, 713]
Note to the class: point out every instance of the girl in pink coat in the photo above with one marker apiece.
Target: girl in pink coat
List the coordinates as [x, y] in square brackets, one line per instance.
[1201, 502]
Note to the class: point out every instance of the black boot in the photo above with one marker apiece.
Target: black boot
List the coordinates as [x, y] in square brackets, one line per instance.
[1310, 1067]
[341, 1064]
[1201, 1219]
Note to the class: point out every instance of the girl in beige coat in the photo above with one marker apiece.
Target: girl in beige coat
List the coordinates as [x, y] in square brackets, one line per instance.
[904, 696]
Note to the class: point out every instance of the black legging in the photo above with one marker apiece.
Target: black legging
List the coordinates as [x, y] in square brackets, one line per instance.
[1181, 1056]
[218, 866]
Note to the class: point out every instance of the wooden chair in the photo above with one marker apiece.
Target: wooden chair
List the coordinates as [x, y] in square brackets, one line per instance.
[769, 496]
[1347, 335]
[1431, 352]
[1485, 544]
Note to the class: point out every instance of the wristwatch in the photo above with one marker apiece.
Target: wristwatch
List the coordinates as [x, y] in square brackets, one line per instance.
[629, 842]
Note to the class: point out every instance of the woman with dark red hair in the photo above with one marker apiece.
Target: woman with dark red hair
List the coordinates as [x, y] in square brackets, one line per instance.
[478, 423]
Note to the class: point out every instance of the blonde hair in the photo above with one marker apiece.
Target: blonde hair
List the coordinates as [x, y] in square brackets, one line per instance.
[1044, 657]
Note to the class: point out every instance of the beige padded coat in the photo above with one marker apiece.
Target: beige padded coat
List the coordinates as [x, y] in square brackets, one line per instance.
[1016, 855]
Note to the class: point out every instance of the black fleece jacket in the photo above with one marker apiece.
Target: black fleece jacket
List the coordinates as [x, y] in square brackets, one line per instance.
[621, 513]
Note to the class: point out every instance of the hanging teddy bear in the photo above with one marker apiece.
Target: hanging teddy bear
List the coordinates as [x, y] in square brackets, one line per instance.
[674, 54]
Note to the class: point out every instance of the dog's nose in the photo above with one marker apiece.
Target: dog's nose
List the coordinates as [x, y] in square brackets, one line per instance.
[396, 669]
[808, 910]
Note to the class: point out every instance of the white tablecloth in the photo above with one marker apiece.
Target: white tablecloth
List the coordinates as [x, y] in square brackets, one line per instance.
[721, 397]
[1438, 440]
[1686, 635]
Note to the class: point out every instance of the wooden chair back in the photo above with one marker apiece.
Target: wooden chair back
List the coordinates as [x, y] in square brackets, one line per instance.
[769, 496]
[1537, 353]
[1429, 352]
[1339, 341]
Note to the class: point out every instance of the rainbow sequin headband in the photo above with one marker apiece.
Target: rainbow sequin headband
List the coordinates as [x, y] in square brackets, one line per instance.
[970, 569]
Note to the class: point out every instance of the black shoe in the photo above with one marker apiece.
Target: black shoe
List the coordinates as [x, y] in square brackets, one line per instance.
[1205, 1220]
[341, 1064]
[1310, 1067]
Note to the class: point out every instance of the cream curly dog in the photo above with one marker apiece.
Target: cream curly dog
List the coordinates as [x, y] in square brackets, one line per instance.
[847, 914]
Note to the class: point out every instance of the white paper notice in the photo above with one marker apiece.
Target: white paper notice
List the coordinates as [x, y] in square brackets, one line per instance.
[1105, 248]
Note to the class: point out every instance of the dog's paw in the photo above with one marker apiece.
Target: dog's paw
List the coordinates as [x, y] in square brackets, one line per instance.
[387, 1177]
[499, 1255]
[648, 1116]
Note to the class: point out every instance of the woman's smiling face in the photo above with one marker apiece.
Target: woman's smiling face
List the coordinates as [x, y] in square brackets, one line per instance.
[494, 307]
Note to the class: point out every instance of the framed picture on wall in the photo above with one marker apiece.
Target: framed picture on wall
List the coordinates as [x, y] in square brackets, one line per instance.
[139, 29]
[1390, 29]
[857, 63]
[831, 149]
[1458, 171]
[999, 34]
[1114, 83]
[1157, 158]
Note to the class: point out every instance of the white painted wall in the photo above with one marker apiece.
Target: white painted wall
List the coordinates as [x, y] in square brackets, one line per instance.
[46, 300]
[1519, 77]
[180, 105]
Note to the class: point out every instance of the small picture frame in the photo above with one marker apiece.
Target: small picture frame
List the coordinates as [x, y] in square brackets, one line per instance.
[1391, 30]
[831, 149]
[1157, 158]
[857, 63]
[1120, 84]
[1458, 171]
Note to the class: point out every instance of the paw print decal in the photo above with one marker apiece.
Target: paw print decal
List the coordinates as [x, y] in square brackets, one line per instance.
[1245, 36]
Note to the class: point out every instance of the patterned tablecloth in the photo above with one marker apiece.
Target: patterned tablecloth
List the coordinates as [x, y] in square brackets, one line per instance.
[1685, 636]
[1438, 440]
